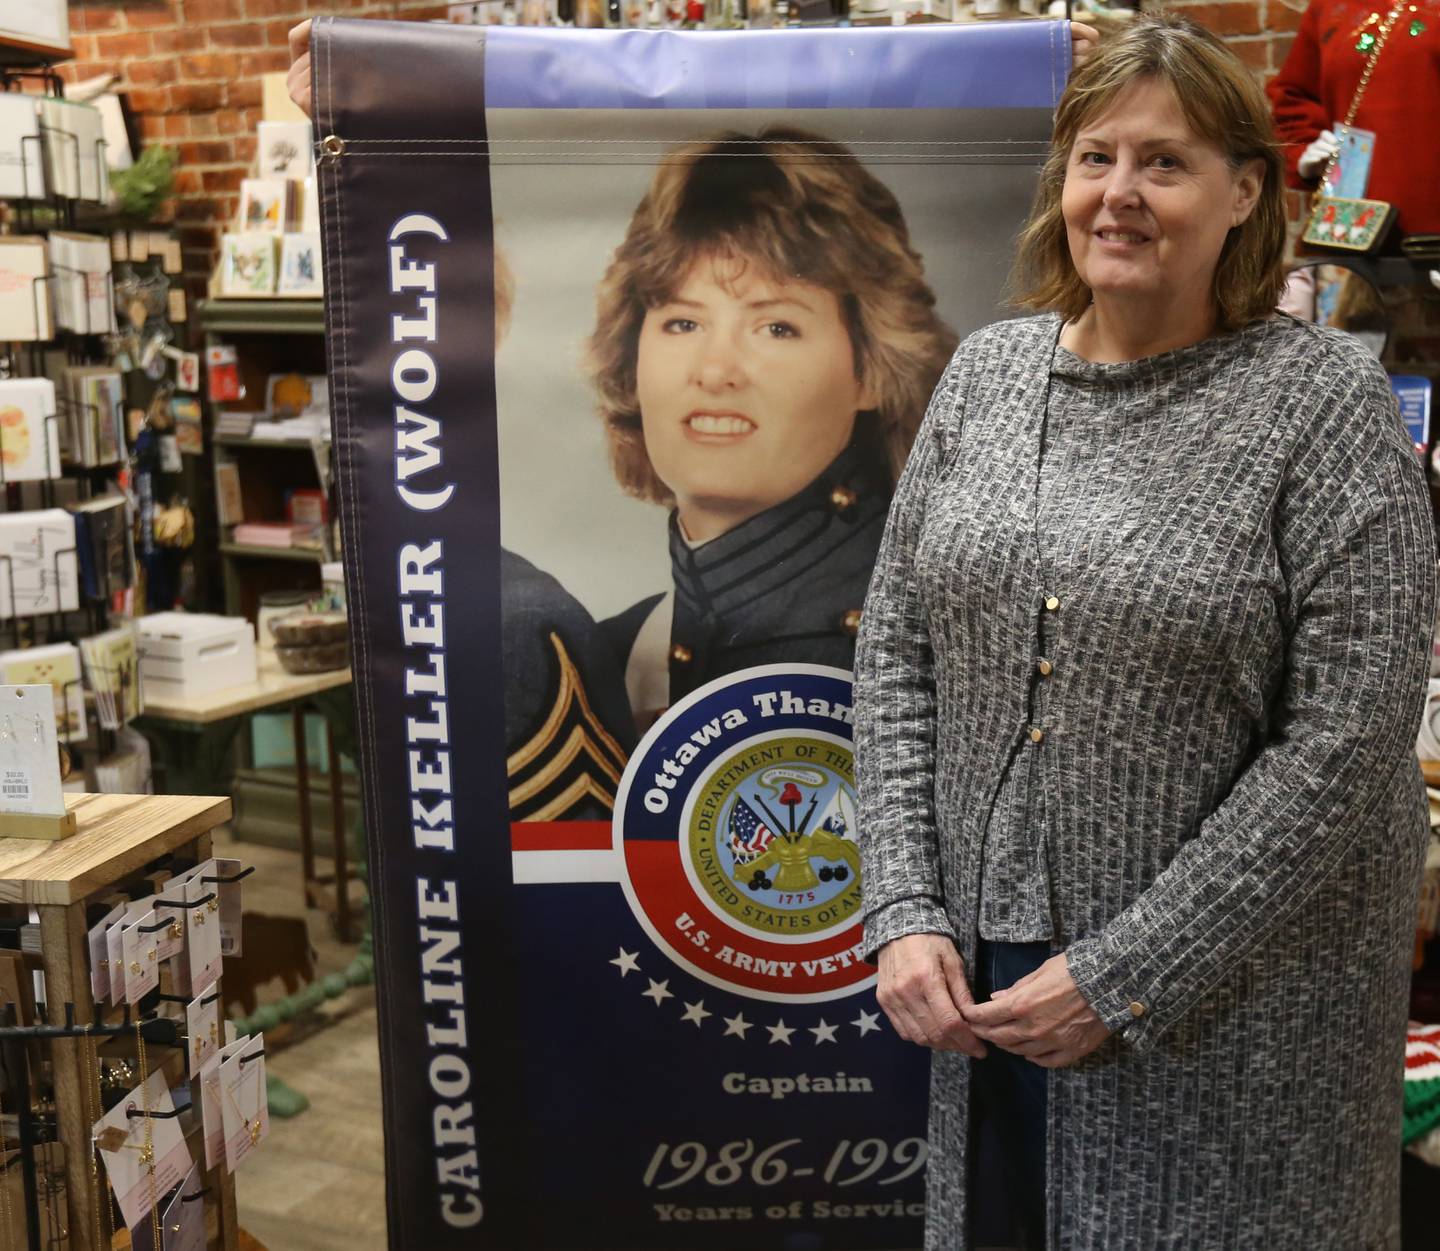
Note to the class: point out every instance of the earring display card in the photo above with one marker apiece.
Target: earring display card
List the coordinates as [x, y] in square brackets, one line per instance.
[202, 937]
[142, 958]
[212, 1117]
[57, 664]
[202, 1023]
[100, 954]
[115, 947]
[22, 169]
[38, 566]
[29, 430]
[24, 290]
[139, 1181]
[243, 1101]
[170, 941]
[29, 757]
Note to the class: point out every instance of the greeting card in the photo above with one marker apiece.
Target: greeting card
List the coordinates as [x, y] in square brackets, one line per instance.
[39, 572]
[300, 265]
[29, 430]
[22, 165]
[58, 666]
[285, 149]
[247, 265]
[25, 314]
[264, 204]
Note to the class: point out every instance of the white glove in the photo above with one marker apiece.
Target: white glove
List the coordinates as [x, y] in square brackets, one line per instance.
[1314, 159]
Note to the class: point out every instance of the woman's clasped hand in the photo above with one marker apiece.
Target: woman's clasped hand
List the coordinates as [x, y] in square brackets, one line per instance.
[926, 994]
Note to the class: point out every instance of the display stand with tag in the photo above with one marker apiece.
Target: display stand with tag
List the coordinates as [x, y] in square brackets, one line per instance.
[117, 836]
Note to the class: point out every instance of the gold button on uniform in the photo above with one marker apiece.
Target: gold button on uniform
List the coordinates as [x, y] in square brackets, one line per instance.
[681, 654]
[1137, 1008]
[1052, 603]
[842, 497]
[1046, 668]
[850, 622]
[1036, 734]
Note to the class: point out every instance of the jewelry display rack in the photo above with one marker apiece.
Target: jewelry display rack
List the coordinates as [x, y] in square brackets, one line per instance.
[120, 838]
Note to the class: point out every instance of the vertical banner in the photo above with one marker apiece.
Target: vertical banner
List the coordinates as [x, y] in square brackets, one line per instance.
[629, 336]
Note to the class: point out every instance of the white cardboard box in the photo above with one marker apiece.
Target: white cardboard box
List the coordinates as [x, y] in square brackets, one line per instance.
[184, 655]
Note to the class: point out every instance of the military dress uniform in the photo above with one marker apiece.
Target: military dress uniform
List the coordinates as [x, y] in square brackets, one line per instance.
[786, 586]
[568, 728]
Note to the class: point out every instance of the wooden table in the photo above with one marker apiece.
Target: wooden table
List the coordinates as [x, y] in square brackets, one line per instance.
[275, 689]
[117, 836]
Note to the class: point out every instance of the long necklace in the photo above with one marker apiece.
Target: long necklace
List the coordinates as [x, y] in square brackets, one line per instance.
[92, 1114]
[7, 1216]
[148, 1154]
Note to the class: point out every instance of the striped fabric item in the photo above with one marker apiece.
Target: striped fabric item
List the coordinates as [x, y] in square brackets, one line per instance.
[1422, 1081]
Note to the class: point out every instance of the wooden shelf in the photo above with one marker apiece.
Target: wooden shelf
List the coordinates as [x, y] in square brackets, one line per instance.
[275, 316]
[118, 834]
[307, 554]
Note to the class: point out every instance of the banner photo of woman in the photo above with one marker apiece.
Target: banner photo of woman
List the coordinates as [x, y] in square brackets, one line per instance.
[630, 333]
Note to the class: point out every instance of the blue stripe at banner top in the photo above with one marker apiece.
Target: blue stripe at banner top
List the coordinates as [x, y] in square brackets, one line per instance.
[991, 65]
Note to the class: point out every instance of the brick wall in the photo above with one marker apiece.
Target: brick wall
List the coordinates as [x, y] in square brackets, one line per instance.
[191, 69]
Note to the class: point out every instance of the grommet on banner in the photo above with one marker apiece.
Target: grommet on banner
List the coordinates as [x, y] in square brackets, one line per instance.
[333, 146]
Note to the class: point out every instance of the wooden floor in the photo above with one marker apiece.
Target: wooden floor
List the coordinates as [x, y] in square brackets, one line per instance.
[318, 1184]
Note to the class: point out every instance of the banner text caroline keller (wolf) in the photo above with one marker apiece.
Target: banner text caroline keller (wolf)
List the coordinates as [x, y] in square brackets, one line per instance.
[421, 575]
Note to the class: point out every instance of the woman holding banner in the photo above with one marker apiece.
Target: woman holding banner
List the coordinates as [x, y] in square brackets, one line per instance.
[765, 344]
[1137, 692]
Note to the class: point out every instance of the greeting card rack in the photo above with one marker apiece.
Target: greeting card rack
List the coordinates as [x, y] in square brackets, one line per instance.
[121, 839]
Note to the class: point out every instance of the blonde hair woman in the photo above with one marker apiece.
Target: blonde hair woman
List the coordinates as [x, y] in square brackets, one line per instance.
[765, 345]
[1137, 692]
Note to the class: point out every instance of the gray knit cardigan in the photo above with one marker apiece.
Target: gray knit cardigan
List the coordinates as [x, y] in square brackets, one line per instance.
[1234, 820]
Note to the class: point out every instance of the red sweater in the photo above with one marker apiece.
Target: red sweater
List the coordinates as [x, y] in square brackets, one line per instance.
[1314, 88]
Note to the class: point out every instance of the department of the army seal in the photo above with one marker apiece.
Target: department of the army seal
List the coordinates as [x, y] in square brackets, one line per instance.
[735, 822]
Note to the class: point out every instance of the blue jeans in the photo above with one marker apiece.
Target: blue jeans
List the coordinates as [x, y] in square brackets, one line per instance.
[1007, 1161]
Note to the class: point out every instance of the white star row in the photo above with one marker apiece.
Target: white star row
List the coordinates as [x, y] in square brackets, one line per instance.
[737, 1025]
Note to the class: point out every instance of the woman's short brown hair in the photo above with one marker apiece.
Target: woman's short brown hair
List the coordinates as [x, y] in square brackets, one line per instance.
[799, 208]
[1223, 105]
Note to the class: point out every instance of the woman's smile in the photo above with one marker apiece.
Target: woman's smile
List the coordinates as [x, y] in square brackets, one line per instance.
[718, 427]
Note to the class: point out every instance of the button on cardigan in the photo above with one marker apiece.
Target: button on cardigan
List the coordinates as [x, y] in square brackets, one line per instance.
[1238, 567]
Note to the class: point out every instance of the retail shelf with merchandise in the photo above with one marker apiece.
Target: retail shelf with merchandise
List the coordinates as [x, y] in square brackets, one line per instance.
[227, 316]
